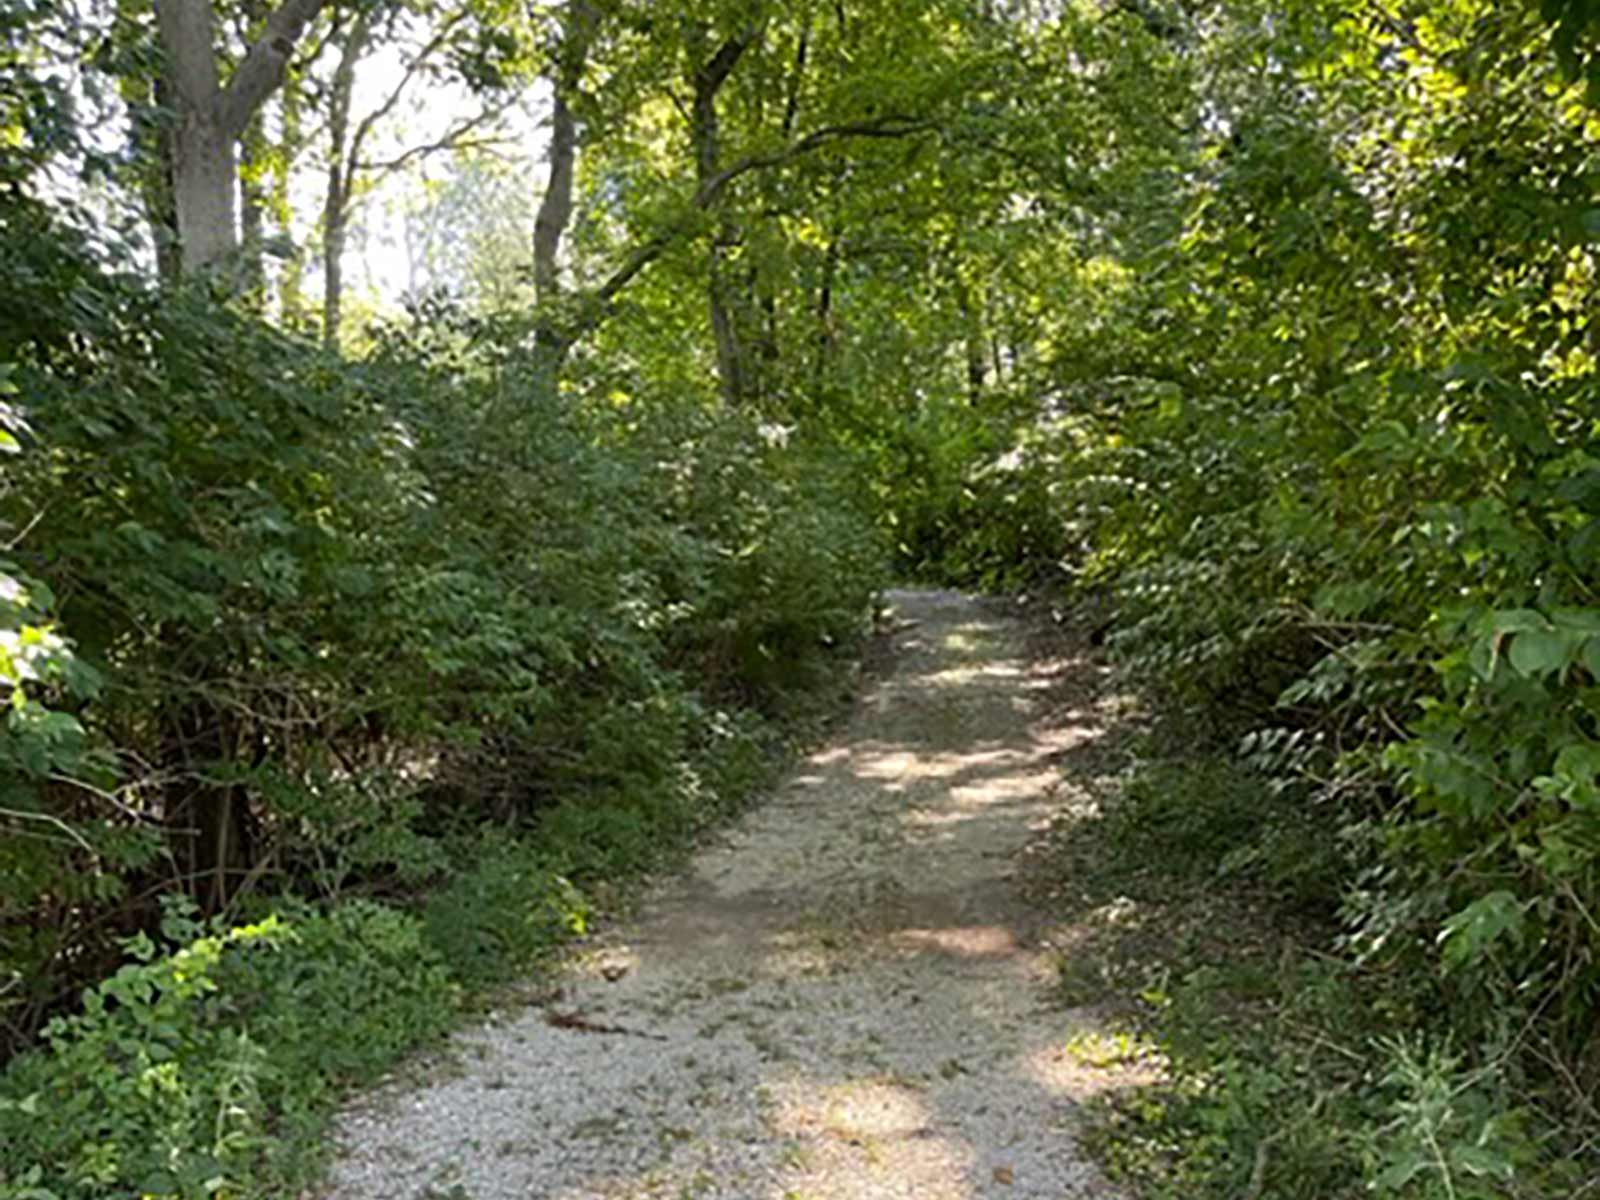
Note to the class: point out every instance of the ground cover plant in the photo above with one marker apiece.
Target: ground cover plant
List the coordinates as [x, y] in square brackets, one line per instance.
[1197, 916]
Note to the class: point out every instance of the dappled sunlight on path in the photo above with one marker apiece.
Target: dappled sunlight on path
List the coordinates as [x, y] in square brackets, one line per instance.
[844, 997]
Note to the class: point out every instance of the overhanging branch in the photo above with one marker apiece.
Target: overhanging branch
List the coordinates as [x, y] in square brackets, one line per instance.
[598, 302]
[882, 127]
[455, 139]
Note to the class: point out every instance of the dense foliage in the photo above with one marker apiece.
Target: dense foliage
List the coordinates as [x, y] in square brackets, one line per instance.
[1263, 333]
[1324, 462]
[281, 624]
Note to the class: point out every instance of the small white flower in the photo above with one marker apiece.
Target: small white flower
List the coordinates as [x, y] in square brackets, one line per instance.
[774, 434]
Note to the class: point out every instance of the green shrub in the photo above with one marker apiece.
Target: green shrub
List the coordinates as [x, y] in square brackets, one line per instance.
[504, 914]
[1211, 817]
[342, 613]
[185, 1070]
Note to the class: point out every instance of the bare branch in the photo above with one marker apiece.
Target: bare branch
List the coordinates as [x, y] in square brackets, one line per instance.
[71, 833]
[419, 60]
[18, 538]
[110, 798]
[454, 139]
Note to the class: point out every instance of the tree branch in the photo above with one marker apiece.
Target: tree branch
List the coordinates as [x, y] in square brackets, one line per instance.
[416, 64]
[599, 301]
[455, 139]
[893, 126]
[262, 70]
[710, 76]
[791, 101]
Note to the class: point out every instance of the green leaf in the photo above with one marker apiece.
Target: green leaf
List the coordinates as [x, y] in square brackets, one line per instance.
[1399, 1172]
[1470, 932]
[1537, 652]
[1591, 657]
[1482, 1161]
[1518, 620]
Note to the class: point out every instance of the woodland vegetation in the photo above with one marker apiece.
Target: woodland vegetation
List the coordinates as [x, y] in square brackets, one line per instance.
[353, 651]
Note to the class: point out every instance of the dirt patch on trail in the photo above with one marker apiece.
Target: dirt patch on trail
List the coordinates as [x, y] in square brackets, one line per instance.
[846, 997]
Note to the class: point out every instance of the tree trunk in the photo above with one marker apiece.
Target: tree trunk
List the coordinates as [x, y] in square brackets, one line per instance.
[975, 342]
[555, 208]
[579, 25]
[291, 279]
[206, 176]
[826, 338]
[730, 350]
[209, 826]
[707, 78]
[253, 212]
[336, 203]
[210, 119]
[333, 236]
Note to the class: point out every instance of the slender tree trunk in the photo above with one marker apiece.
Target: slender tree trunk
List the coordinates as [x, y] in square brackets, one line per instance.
[770, 346]
[336, 202]
[825, 338]
[974, 342]
[709, 74]
[730, 353]
[209, 826]
[291, 279]
[333, 238]
[552, 341]
[253, 211]
[555, 208]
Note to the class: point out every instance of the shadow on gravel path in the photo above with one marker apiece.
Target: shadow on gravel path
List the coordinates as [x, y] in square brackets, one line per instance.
[845, 998]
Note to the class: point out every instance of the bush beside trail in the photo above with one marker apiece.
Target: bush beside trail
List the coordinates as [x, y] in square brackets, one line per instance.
[339, 686]
[1323, 466]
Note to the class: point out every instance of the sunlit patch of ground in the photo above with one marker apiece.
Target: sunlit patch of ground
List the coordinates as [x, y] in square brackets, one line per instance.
[847, 997]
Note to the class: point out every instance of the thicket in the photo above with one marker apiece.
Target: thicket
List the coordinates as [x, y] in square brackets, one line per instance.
[331, 678]
[1327, 464]
[1264, 332]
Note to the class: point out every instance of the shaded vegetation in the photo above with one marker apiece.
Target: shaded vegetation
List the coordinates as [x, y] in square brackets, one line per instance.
[1261, 334]
[397, 651]
[1197, 915]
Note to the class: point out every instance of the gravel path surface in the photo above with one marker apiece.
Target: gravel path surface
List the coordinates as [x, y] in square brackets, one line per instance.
[843, 999]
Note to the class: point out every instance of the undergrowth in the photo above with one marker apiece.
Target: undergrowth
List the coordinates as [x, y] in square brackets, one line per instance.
[340, 691]
[1201, 901]
[209, 1063]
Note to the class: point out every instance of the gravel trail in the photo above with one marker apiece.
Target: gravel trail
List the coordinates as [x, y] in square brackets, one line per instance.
[844, 998]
